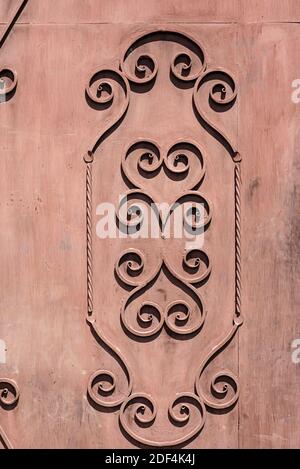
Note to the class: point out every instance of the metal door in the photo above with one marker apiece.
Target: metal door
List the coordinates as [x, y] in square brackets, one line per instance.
[149, 184]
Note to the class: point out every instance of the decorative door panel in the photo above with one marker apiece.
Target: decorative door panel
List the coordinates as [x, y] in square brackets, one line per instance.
[163, 236]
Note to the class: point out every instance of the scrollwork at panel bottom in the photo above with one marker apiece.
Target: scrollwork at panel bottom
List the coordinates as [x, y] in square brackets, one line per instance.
[143, 411]
[102, 383]
[9, 397]
[187, 410]
[222, 381]
[181, 317]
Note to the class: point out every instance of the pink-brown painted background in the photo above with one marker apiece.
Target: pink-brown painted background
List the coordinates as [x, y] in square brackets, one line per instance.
[47, 127]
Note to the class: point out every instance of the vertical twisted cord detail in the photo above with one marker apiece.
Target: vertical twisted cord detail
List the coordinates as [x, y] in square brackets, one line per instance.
[89, 238]
[238, 281]
[89, 159]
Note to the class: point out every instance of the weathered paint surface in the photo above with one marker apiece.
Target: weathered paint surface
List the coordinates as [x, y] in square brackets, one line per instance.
[55, 344]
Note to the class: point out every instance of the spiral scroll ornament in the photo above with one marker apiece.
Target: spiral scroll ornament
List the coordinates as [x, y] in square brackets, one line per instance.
[180, 316]
[147, 157]
[9, 397]
[8, 83]
[224, 387]
[102, 88]
[144, 160]
[222, 93]
[108, 87]
[102, 385]
[187, 65]
[140, 411]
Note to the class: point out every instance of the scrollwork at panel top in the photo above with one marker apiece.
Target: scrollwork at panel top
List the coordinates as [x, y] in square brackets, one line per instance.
[214, 90]
[186, 65]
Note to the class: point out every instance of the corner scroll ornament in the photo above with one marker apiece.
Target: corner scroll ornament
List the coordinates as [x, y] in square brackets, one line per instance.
[9, 397]
[112, 87]
[8, 76]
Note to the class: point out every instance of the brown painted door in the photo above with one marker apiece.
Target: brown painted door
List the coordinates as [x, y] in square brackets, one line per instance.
[149, 224]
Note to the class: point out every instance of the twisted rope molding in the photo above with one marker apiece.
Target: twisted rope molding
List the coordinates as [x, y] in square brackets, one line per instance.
[238, 263]
[224, 379]
[89, 251]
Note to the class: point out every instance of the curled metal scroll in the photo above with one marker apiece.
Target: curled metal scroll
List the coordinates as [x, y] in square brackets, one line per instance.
[186, 65]
[147, 158]
[102, 383]
[150, 158]
[137, 205]
[102, 89]
[9, 397]
[222, 381]
[178, 315]
[223, 92]
[142, 410]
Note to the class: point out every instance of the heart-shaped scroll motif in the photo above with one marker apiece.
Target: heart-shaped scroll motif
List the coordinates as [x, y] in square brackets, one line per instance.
[144, 421]
[157, 175]
[138, 212]
[151, 303]
[164, 171]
